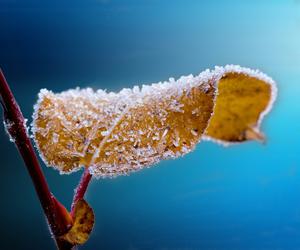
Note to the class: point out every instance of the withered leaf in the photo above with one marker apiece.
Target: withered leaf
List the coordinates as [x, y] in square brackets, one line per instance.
[83, 224]
[117, 133]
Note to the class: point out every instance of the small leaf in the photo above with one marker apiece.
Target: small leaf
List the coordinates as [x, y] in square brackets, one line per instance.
[83, 224]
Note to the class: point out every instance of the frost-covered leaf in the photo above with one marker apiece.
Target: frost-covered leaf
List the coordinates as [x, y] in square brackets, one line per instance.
[117, 133]
[83, 222]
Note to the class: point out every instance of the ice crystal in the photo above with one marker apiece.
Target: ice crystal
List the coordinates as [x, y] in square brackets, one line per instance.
[8, 125]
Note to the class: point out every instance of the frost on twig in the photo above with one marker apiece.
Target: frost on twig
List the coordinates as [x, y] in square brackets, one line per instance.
[117, 133]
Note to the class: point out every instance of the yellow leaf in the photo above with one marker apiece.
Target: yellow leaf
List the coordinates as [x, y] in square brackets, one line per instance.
[117, 133]
[83, 224]
[243, 98]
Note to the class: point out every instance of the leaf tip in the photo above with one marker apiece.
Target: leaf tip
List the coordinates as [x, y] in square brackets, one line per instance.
[253, 134]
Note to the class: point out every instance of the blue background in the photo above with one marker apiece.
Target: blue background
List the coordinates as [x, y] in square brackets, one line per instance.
[241, 197]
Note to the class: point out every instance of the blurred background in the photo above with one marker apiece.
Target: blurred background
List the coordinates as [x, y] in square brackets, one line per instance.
[241, 197]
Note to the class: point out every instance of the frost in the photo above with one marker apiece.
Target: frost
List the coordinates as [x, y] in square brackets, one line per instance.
[165, 132]
[8, 126]
[194, 132]
[105, 133]
[55, 138]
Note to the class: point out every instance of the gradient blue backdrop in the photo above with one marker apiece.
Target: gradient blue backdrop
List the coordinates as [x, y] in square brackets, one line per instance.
[241, 197]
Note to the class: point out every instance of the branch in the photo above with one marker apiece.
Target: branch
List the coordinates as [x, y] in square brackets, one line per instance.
[57, 216]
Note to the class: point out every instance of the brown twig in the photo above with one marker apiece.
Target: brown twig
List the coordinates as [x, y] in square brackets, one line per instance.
[15, 124]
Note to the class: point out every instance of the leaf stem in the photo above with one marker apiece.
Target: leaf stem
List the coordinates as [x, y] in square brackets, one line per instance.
[16, 127]
[81, 188]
